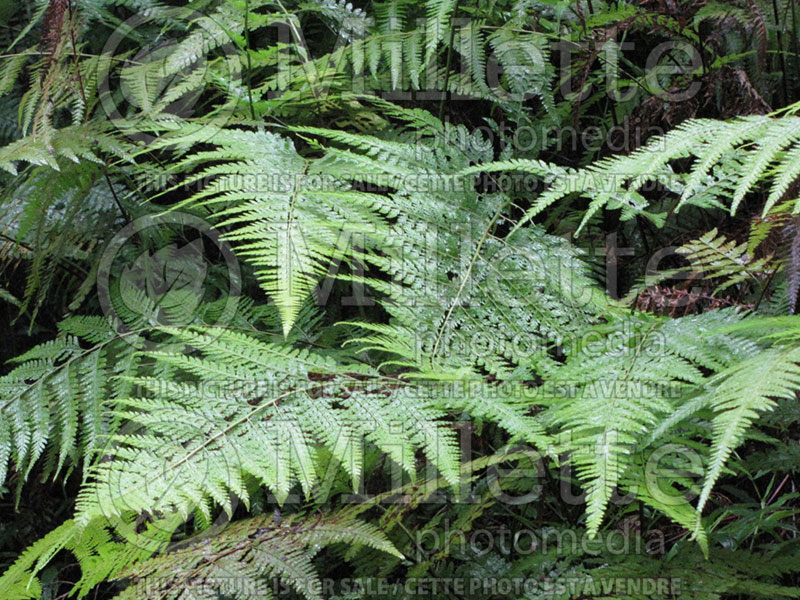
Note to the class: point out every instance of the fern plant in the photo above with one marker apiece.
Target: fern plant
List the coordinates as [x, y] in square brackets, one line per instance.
[728, 157]
[480, 369]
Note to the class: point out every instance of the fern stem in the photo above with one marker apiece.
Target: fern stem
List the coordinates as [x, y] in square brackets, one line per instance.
[298, 39]
[448, 63]
[764, 288]
[125, 214]
[781, 56]
[248, 75]
[464, 280]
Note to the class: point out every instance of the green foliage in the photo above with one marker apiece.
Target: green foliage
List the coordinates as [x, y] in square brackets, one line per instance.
[54, 398]
[273, 549]
[421, 346]
[726, 158]
[287, 226]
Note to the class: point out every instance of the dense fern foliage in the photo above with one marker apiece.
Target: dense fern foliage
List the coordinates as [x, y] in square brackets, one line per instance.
[435, 298]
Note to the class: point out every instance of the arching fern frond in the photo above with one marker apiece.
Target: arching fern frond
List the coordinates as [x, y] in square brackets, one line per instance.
[240, 561]
[288, 219]
[244, 408]
[741, 394]
[730, 159]
[54, 399]
[632, 376]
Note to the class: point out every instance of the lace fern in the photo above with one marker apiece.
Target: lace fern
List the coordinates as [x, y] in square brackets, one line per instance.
[55, 397]
[737, 155]
[223, 564]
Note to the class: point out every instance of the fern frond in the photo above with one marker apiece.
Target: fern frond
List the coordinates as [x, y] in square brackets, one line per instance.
[73, 143]
[102, 549]
[611, 395]
[452, 273]
[55, 396]
[714, 256]
[740, 154]
[238, 561]
[618, 400]
[286, 218]
[437, 24]
[250, 411]
[740, 395]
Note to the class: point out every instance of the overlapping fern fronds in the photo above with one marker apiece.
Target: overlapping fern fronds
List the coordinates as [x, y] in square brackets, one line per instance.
[457, 282]
[636, 379]
[481, 315]
[730, 159]
[238, 561]
[242, 559]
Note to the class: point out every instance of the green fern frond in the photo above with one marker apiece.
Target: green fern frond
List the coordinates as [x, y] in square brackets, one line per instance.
[437, 24]
[617, 401]
[286, 217]
[741, 394]
[73, 143]
[102, 549]
[627, 382]
[250, 411]
[713, 256]
[238, 561]
[744, 152]
[451, 272]
[54, 397]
